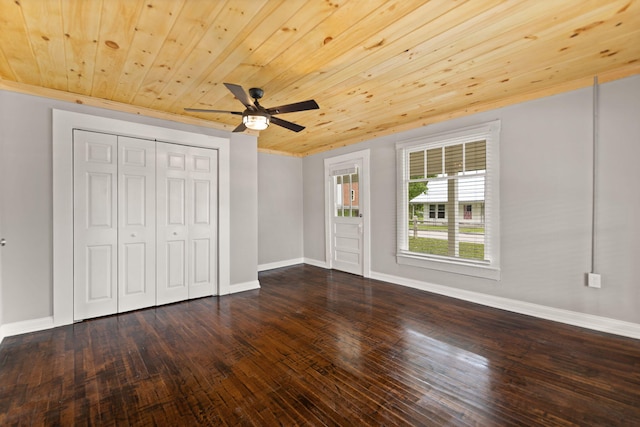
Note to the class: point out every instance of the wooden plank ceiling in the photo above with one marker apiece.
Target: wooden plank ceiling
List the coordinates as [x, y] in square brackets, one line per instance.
[374, 66]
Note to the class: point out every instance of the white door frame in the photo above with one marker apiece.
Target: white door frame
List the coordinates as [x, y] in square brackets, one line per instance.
[64, 122]
[365, 205]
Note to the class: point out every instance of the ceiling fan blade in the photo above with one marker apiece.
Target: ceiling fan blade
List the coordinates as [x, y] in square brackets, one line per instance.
[240, 95]
[285, 124]
[241, 128]
[204, 110]
[292, 108]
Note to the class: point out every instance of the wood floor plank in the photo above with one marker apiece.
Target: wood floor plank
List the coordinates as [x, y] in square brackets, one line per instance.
[320, 348]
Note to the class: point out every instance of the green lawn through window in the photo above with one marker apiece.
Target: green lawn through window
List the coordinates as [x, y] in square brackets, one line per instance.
[463, 229]
[440, 247]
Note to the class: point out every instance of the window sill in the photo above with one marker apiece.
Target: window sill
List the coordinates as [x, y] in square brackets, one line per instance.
[450, 266]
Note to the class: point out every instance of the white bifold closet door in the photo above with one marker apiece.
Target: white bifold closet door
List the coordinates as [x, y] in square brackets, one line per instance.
[114, 224]
[136, 224]
[187, 241]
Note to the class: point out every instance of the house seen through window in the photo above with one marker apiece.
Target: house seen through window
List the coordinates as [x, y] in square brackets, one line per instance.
[347, 193]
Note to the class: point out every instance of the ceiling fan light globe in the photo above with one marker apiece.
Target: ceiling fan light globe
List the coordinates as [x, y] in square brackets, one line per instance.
[256, 122]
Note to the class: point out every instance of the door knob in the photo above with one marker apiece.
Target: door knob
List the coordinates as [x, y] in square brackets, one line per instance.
[133, 234]
[3, 242]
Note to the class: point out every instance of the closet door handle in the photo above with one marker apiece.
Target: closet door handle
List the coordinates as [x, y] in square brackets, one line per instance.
[133, 234]
[3, 242]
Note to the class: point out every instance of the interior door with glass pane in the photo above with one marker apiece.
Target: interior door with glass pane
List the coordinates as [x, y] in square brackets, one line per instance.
[347, 218]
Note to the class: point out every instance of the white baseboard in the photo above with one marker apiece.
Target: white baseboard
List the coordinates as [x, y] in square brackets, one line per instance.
[589, 321]
[316, 263]
[26, 326]
[242, 287]
[279, 264]
[35, 325]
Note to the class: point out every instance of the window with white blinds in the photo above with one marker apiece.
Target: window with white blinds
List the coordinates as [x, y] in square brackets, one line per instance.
[448, 201]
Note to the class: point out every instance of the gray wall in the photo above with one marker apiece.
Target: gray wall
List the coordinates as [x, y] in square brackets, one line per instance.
[280, 221]
[545, 202]
[313, 204]
[545, 196]
[244, 209]
[26, 200]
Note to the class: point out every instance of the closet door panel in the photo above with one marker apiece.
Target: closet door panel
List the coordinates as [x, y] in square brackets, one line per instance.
[99, 193]
[133, 264]
[133, 203]
[201, 260]
[95, 224]
[137, 224]
[176, 199]
[176, 263]
[203, 231]
[202, 202]
[172, 230]
[99, 263]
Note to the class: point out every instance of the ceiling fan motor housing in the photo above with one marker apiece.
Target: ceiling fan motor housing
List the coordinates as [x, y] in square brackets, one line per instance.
[256, 93]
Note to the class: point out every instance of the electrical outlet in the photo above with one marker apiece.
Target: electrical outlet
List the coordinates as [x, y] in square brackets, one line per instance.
[594, 280]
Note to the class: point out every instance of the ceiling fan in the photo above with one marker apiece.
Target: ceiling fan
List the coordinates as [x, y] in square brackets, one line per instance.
[255, 116]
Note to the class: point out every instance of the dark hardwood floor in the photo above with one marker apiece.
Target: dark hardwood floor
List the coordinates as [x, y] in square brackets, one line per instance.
[319, 347]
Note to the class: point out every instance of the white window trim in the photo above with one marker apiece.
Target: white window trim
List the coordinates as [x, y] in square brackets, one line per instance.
[490, 270]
